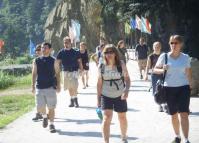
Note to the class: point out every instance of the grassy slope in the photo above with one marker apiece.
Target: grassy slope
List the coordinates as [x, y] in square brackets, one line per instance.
[16, 101]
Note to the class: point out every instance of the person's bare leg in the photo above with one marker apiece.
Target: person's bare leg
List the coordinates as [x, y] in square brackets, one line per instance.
[108, 114]
[185, 124]
[83, 79]
[123, 124]
[42, 110]
[87, 77]
[176, 124]
[51, 114]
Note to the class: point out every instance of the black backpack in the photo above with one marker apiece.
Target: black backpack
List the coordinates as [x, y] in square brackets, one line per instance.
[112, 81]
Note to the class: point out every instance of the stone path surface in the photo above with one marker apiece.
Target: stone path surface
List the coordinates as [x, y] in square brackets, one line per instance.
[81, 125]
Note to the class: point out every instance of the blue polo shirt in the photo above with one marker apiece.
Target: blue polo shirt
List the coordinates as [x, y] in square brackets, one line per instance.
[69, 59]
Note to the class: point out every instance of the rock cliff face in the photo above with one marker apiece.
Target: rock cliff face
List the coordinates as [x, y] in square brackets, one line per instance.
[195, 78]
[59, 20]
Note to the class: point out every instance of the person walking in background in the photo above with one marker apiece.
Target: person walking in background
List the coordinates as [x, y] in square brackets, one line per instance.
[151, 62]
[177, 86]
[85, 63]
[38, 53]
[141, 51]
[112, 91]
[122, 51]
[71, 62]
[97, 56]
[45, 79]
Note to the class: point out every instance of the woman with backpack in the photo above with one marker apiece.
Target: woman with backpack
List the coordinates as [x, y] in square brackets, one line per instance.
[151, 62]
[112, 91]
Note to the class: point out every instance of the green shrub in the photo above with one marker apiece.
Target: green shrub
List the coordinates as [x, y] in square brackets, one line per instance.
[6, 80]
[24, 60]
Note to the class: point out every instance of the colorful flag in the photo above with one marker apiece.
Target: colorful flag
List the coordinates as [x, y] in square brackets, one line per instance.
[127, 28]
[31, 48]
[138, 22]
[71, 33]
[76, 27]
[144, 28]
[148, 26]
[133, 23]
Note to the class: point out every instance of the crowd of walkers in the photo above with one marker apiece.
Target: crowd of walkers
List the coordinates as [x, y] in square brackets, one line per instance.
[113, 80]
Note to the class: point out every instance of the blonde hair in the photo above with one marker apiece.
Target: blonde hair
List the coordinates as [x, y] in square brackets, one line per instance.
[119, 43]
[157, 42]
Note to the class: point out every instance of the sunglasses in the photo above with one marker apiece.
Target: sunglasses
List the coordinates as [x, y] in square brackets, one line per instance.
[108, 52]
[174, 43]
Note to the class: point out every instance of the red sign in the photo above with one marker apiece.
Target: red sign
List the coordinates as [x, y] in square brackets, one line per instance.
[1, 45]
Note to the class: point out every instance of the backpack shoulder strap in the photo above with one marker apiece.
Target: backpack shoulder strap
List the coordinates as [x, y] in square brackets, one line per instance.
[165, 72]
[102, 68]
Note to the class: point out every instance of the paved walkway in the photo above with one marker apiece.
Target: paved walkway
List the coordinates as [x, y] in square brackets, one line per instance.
[81, 125]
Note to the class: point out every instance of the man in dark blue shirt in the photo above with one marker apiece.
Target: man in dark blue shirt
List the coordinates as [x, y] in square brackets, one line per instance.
[141, 51]
[45, 81]
[70, 60]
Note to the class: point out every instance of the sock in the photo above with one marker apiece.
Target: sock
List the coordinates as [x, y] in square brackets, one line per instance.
[51, 122]
[73, 97]
[44, 116]
[178, 136]
[186, 140]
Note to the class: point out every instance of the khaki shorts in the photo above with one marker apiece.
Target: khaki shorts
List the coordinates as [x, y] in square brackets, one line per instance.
[142, 64]
[46, 97]
[70, 80]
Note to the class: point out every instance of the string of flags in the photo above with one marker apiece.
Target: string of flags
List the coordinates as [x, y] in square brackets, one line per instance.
[141, 24]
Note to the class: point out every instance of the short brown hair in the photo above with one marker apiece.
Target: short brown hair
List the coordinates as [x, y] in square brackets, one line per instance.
[67, 38]
[38, 47]
[112, 48]
[82, 43]
[176, 37]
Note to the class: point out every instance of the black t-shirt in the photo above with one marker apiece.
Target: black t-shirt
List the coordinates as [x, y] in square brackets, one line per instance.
[69, 59]
[84, 57]
[45, 72]
[153, 59]
[141, 51]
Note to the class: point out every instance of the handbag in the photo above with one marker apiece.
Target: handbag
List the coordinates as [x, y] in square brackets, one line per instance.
[160, 94]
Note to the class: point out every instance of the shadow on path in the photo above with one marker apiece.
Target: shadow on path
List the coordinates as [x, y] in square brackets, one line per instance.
[89, 134]
[86, 93]
[194, 114]
[94, 108]
[135, 90]
[87, 121]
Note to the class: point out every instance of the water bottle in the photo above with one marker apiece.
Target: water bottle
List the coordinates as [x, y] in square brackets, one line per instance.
[99, 113]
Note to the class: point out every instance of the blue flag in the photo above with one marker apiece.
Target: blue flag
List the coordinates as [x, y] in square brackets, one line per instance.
[31, 48]
[133, 23]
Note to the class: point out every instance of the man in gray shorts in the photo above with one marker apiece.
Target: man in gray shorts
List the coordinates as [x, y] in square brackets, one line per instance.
[45, 81]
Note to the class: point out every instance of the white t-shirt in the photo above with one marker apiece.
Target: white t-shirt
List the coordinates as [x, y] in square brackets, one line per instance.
[175, 75]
